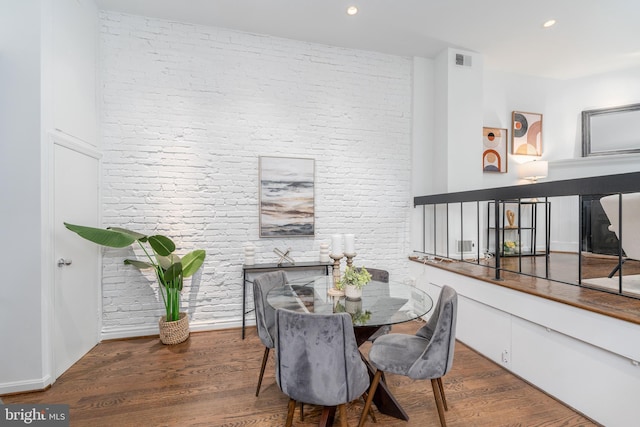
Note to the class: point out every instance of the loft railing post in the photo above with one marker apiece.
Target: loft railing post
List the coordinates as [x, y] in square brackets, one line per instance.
[620, 260]
[447, 235]
[496, 221]
[424, 228]
[547, 235]
[519, 251]
[460, 244]
[478, 231]
[580, 236]
[435, 228]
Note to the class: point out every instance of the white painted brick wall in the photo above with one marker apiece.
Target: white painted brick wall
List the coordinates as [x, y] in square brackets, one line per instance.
[187, 110]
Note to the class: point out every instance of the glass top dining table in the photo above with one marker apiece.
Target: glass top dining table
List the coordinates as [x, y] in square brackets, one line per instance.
[381, 304]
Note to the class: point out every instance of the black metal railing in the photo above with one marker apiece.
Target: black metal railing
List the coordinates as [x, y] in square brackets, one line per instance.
[529, 203]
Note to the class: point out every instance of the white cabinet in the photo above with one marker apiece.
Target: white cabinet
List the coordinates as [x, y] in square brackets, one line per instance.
[586, 360]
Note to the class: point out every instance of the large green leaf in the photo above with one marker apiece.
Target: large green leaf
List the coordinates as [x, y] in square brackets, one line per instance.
[192, 261]
[166, 261]
[110, 238]
[173, 276]
[138, 236]
[140, 264]
[162, 245]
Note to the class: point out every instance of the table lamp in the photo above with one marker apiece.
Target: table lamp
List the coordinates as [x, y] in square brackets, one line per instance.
[534, 170]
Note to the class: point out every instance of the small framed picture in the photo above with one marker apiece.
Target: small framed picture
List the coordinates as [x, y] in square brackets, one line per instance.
[526, 135]
[494, 150]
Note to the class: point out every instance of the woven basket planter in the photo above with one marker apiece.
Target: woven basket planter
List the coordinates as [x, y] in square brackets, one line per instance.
[174, 332]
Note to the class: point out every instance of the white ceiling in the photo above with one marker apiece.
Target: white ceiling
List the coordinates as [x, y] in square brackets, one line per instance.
[590, 37]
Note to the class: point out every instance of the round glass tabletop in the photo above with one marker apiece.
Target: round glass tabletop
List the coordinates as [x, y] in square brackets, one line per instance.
[381, 304]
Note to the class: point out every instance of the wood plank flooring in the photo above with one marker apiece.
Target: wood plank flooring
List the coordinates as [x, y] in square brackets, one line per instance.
[210, 380]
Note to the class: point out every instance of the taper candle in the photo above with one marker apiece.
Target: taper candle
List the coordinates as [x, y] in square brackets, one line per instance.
[336, 244]
[349, 244]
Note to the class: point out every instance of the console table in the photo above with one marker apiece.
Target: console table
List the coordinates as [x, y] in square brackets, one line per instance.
[263, 268]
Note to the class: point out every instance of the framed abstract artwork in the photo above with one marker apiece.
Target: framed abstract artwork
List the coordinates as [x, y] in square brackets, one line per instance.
[526, 135]
[286, 197]
[494, 150]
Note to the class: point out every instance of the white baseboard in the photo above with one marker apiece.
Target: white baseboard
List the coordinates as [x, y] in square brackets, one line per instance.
[27, 385]
[148, 330]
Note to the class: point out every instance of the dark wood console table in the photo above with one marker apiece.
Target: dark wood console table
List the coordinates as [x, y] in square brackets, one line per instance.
[263, 268]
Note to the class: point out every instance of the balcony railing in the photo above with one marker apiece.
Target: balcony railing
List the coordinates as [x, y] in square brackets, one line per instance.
[554, 230]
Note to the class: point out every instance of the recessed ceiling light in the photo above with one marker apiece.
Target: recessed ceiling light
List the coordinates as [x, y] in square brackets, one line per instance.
[352, 10]
[550, 23]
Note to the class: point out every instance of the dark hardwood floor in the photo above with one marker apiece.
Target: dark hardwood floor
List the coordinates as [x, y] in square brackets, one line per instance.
[210, 380]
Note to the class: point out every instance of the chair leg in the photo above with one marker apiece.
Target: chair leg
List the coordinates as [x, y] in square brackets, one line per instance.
[439, 405]
[615, 269]
[301, 411]
[372, 391]
[265, 357]
[371, 414]
[342, 410]
[444, 398]
[291, 409]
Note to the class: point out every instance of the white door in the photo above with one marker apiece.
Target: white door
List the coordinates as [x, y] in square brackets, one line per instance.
[77, 293]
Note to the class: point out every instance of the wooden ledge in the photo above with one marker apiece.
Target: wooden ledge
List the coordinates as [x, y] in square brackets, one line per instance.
[606, 304]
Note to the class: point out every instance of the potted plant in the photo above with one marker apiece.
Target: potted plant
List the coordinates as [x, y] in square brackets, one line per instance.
[353, 281]
[510, 247]
[170, 269]
[354, 308]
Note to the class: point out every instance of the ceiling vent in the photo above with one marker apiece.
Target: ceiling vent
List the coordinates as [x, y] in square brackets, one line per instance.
[463, 60]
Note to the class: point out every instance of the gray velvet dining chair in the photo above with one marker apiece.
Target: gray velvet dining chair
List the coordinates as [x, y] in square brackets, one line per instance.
[379, 276]
[265, 314]
[426, 355]
[318, 361]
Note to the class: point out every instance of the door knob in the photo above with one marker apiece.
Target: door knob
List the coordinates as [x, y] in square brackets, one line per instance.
[62, 262]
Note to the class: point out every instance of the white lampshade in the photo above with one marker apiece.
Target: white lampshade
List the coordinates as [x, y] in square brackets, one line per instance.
[534, 170]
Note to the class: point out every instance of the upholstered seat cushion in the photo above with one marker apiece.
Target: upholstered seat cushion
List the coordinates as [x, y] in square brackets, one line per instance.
[428, 353]
[396, 353]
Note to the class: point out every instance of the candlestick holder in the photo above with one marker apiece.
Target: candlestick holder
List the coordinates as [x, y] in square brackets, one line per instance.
[350, 258]
[324, 252]
[336, 270]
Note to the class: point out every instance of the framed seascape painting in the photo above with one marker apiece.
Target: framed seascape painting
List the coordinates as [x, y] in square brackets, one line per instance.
[286, 197]
[526, 134]
[494, 150]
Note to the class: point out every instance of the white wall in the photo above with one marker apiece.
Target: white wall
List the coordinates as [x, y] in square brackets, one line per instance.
[464, 122]
[20, 299]
[423, 162]
[561, 103]
[186, 112]
[73, 69]
[31, 108]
